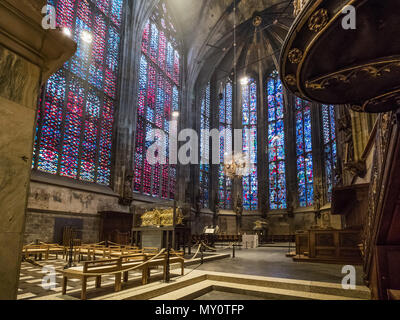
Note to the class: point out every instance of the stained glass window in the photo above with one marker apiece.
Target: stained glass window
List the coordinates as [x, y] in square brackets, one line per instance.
[330, 147]
[76, 113]
[305, 175]
[205, 147]
[158, 98]
[249, 122]
[276, 144]
[225, 127]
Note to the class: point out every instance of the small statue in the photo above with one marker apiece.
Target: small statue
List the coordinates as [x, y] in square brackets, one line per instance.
[127, 197]
[239, 205]
[198, 200]
[217, 208]
[179, 216]
[317, 204]
[260, 225]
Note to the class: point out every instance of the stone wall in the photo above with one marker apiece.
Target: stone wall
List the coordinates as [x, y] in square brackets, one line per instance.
[41, 226]
[199, 221]
[47, 203]
[248, 223]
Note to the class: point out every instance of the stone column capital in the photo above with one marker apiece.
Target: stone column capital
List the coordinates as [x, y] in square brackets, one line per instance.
[21, 32]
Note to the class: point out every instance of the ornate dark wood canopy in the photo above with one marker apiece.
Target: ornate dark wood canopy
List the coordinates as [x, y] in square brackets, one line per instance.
[324, 62]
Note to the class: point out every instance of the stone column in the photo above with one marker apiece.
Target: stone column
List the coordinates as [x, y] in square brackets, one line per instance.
[28, 56]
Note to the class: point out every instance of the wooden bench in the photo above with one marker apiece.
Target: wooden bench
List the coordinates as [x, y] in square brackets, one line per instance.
[119, 266]
[90, 269]
[41, 250]
[112, 251]
[93, 251]
[394, 294]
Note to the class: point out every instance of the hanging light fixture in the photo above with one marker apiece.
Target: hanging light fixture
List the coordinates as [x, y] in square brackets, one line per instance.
[67, 32]
[244, 81]
[86, 36]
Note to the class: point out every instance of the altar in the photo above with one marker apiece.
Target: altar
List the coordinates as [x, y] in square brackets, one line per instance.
[250, 241]
[157, 225]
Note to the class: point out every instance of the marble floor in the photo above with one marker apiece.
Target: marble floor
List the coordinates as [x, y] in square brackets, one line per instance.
[35, 283]
[272, 262]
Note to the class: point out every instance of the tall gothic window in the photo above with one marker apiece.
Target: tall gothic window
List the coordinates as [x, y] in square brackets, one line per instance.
[158, 98]
[305, 175]
[225, 128]
[276, 144]
[249, 122]
[76, 113]
[205, 147]
[330, 148]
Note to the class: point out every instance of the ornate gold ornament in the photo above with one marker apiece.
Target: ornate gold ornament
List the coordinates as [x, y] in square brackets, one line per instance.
[290, 80]
[318, 20]
[393, 96]
[158, 217]
[357, 108]
[298, 6]
[151, 218]
[375, 70]
[295, 55]
[257, 21]
[237, 165]
[259, 225]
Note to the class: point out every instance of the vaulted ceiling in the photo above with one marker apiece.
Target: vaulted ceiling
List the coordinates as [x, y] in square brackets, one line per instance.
[207, 31]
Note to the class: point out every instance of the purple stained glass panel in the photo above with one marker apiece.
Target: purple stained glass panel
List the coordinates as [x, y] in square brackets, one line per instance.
[78, 106]
[158, 96]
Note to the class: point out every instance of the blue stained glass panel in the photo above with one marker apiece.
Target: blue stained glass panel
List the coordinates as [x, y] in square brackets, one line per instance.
[305, 175]
[250, 147]
[330, 147]
[276, 144]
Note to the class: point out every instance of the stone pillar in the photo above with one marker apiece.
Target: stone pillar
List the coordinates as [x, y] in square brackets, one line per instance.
[28, 56]
[362, 125]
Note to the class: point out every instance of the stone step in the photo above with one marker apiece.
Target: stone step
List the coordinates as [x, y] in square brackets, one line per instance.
[198, 283]
[361, 292]
[199, 289]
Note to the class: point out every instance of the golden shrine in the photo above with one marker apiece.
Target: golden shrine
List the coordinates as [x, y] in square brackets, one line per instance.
[161, 218]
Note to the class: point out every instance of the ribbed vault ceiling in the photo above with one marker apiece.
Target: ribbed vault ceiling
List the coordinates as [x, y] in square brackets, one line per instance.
[207, 33]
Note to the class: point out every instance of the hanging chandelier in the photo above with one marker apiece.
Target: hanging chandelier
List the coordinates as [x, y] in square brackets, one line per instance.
[237, 166]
